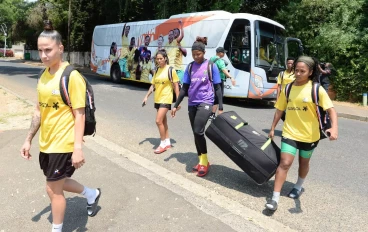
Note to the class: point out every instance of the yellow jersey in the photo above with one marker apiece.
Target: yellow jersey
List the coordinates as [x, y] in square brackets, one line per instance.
[285, 79]
[146, 69]
[301, 123]
[57, 120]
[163, 86]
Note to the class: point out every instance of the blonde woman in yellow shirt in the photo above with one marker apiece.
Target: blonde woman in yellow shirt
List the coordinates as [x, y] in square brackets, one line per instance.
[61, 129]
[301, 130]
[164, 89]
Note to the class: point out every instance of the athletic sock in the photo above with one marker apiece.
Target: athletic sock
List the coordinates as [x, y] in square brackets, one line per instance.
[90, 194]
[167, 142]
[163, 143]
[276, 196]
[299, 184]
[203, 160]
[57, 228]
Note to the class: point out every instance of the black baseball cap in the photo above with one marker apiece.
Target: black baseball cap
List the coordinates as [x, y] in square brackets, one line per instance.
[220, 49]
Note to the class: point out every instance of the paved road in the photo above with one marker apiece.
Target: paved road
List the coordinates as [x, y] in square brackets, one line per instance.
[336, 193]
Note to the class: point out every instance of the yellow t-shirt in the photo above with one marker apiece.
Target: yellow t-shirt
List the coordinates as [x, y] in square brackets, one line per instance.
[112, 58]
[124, 41]
[146, 68]
[287, 78]
[164, 88]
[301, 123]
[178, 61]
[57, 120]
[262, 55]
[172, 50]
[124, 51]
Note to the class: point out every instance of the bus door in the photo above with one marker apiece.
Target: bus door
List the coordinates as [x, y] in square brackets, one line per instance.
[237, 45]
[293, 47]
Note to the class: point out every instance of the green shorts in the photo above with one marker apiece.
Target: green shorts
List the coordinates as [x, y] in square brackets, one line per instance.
[291, 146]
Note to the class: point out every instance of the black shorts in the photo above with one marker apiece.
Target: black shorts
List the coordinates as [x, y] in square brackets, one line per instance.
[159, 105]
[56, 166]
[222, 91]
[300, 145]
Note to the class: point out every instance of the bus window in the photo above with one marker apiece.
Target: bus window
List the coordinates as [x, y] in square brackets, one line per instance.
[270, 47]
[238, 44]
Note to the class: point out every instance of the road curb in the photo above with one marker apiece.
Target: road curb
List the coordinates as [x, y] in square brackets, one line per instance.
[351, 116]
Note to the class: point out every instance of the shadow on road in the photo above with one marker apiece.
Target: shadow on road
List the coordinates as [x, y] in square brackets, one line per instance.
[12, 71]
[155, 142]
[190, 159]
[76, 217]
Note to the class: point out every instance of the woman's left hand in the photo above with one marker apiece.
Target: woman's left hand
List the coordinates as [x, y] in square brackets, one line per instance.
[173, 112]
[333, 133]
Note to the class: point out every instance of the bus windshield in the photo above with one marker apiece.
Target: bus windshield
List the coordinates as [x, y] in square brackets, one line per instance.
[270, 46]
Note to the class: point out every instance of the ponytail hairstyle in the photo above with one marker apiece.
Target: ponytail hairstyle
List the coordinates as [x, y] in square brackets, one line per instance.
[50, 33]
[112, 49]
[312, 64]
[163, 53]
[200, 44]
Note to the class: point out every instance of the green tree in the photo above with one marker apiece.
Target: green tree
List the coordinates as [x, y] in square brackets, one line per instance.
[333, 31]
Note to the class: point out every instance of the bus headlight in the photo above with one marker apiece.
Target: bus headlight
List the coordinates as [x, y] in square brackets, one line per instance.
[258, 81]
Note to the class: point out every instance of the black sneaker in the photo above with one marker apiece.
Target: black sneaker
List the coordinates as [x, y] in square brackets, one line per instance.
[271, 205]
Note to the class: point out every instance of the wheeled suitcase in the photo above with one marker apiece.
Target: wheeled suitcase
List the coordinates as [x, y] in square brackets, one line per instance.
[255, 154]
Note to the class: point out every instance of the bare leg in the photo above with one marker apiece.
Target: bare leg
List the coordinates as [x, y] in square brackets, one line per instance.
[58, 203]
[166, 127]
[282, 170]
[161, 113]
[73, 186]
[303, 167]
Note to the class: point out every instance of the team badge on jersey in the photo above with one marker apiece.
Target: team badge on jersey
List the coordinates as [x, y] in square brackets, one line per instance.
[55, 92]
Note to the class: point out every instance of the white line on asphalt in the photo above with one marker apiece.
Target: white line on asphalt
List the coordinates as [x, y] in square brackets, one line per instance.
[235, 209]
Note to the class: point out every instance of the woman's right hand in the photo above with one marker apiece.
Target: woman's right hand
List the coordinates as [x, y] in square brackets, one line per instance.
[271, 134]
[144, 101]
[24, 151]
[173, 112]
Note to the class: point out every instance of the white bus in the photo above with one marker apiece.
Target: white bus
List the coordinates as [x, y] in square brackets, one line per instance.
[255, 45]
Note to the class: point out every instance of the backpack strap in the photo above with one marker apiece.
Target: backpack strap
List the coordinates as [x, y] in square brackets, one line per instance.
[288, 90]
[64, 85]
[282, 76]
[210, 69]
[190, 65]
[170, 70]
[315, 99]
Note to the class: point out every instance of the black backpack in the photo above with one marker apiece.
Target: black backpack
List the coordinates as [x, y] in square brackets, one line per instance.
[323, 117]
[90, 120]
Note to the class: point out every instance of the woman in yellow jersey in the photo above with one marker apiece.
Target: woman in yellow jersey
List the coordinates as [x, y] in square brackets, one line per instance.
[61, 129]
[301, 127]
[164, 89]
[285, 77]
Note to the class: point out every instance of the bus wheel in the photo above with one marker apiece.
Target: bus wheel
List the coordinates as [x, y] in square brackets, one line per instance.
[115, 73]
